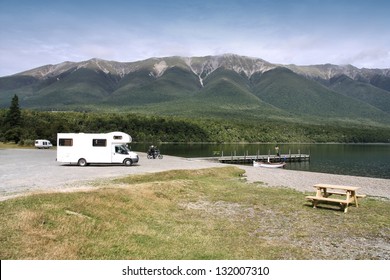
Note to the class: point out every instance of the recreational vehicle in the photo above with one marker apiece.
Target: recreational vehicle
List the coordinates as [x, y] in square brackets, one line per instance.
[95, 148]
[43, 144]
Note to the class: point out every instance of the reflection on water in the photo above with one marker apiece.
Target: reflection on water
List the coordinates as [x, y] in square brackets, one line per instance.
[370, 160]
[304, 165]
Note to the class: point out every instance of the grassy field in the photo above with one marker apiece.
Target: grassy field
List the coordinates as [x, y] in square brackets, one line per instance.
[13, 146]
[197, 214]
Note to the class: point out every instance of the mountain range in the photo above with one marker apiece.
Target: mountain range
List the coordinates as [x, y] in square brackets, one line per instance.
[224, 86]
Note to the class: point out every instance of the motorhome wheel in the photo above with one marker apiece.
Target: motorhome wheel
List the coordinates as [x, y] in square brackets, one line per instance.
[82, 162]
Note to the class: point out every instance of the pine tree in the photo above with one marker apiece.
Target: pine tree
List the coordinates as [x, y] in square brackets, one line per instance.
[13, 121]
[14, 116]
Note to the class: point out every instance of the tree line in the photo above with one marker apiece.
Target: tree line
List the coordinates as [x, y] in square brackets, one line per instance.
[24, 126]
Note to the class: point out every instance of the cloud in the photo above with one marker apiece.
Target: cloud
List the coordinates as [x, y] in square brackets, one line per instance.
[278, 31]
[370, 58]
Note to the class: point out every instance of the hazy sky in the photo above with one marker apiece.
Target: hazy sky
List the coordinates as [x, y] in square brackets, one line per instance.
[39, 32]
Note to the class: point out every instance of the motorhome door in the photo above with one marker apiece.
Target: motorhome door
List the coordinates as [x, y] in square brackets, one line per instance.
[119, 153]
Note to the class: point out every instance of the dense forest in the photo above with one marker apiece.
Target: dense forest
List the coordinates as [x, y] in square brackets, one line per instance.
[23, 126]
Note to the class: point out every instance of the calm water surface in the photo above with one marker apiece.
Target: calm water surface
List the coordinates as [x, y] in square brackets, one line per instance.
[369, 160]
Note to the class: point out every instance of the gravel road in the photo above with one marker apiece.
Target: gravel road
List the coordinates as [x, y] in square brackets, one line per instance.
[28, 171]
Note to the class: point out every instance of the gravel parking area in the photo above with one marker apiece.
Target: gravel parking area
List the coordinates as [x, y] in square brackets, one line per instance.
[32, 170]
[28, 171]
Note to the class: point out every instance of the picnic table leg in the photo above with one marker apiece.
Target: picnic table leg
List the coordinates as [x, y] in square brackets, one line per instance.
[355, 198]
[348, 199]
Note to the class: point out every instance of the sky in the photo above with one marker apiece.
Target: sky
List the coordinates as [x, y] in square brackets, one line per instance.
[41, 32]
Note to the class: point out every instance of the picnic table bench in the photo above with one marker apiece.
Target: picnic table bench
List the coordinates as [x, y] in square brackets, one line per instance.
[345, 195]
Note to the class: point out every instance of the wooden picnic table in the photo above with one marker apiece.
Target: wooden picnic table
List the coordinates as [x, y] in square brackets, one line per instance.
[345, 195]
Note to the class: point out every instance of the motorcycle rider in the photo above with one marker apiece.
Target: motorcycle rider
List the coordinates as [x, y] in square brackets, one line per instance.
[152, 151]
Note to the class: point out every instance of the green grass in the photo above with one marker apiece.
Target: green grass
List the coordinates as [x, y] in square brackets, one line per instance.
[197, 214]
[12, 145]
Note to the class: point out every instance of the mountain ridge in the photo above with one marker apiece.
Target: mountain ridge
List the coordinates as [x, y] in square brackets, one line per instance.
[221, 85]
[207, 64]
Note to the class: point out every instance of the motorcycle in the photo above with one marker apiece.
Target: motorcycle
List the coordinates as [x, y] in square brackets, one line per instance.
[153, 154]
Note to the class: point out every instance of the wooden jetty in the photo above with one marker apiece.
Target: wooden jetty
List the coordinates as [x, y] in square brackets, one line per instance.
[233, 158]
[248, 159]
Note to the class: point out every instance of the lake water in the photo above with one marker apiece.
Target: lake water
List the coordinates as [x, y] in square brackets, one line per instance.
[369, 160]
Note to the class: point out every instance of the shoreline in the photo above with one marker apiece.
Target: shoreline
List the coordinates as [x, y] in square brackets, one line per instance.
[304, 180]
[41, 173]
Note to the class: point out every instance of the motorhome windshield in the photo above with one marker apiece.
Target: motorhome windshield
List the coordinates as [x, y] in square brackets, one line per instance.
[122, 149]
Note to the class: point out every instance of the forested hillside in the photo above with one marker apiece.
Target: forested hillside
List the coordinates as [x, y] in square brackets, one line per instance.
[224, 87]
[226, 98]
[46, 125]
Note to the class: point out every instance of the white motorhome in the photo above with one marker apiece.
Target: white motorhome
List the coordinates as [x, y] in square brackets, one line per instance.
[86, 148]
[43, 144]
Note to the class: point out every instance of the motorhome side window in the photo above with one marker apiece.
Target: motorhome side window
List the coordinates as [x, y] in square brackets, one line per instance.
[65, 142]
[117, 137]
[99, 142]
